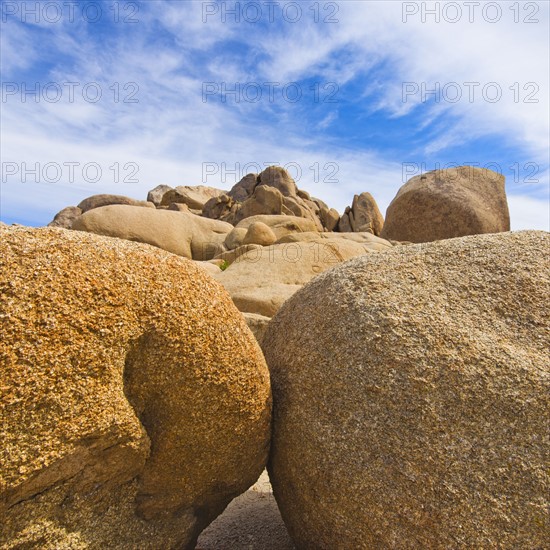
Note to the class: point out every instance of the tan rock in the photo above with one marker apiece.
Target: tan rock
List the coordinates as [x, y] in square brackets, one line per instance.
[181, 233]
[97, 201]
[209, 267]
[229, 256]
[365, 215]
[260, 280]
[368, 240]
[448, 203]
[265, 200]
[235, 237]
[280, 179]
[220, 207]
[156, 194]
[259, 233]
[177, 207]
[411, 398]
[66, 217]
[344, 224]
[135, 402]
[280, 225]
[257, 324]
[329, 218]
[244, 188]
[195, 197]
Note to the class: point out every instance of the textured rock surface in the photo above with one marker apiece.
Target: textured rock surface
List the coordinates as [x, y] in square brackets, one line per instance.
[278, 178]
[260, 280]
[135, 402]
[257, 324]
[181, 233]
[244, 188]
[156, 194]
[259, 233]
[235, 237]
[368, 240]
[448, 203]
[363, 216]
[273, 192]
[97, 201]
[280, 225]
[66, 217]
[411, 398]
[195, 197]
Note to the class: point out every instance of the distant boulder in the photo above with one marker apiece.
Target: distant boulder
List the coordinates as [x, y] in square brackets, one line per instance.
[181, 233]
[97, 201]
[443, 204]
[66, 217]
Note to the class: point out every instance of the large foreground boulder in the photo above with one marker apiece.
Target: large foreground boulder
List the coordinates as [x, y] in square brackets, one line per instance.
[135, 402]
[448, 203]
[181, 233]
[411, 398]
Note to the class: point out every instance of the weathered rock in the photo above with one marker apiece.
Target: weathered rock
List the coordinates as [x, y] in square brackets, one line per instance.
[329, 218]
[177, 207]
[280, 225]
[264, 201]
[448, 203]
[259, 233]
[219, 208]
[260, 280]
[280, 179]
[66, 217]
[257, 324]
[229, 256]
[365, 215]
[135, 402]
[194, 197]
[344, 225]
[235, 237]
[156, 194]
[369, 241]
[411, 398]
[181, 233]
[97, 201]
[295, 206]
[209, 267]
[244, 188]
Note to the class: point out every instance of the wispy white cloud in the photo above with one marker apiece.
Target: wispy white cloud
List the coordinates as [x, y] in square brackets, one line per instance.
[172, 131]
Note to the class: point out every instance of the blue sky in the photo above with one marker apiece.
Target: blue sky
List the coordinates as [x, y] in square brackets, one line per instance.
[134, 94]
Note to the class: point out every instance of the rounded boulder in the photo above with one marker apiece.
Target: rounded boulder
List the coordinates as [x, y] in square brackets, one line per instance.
[410, 393]
[135, 401]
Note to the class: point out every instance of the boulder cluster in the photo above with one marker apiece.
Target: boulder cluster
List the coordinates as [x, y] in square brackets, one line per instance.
[270, 238]
[392, 374]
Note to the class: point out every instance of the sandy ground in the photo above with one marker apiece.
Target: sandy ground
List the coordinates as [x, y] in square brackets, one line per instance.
[251, 522]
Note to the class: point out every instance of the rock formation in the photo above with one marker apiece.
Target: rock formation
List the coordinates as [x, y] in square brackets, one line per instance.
[448, 203]
[135, 402]
[362, 216]
[181, 233]
[260, 279]
[411, 398]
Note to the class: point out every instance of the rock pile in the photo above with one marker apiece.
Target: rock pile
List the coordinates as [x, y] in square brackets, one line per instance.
[257, 232]
[410, 381]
